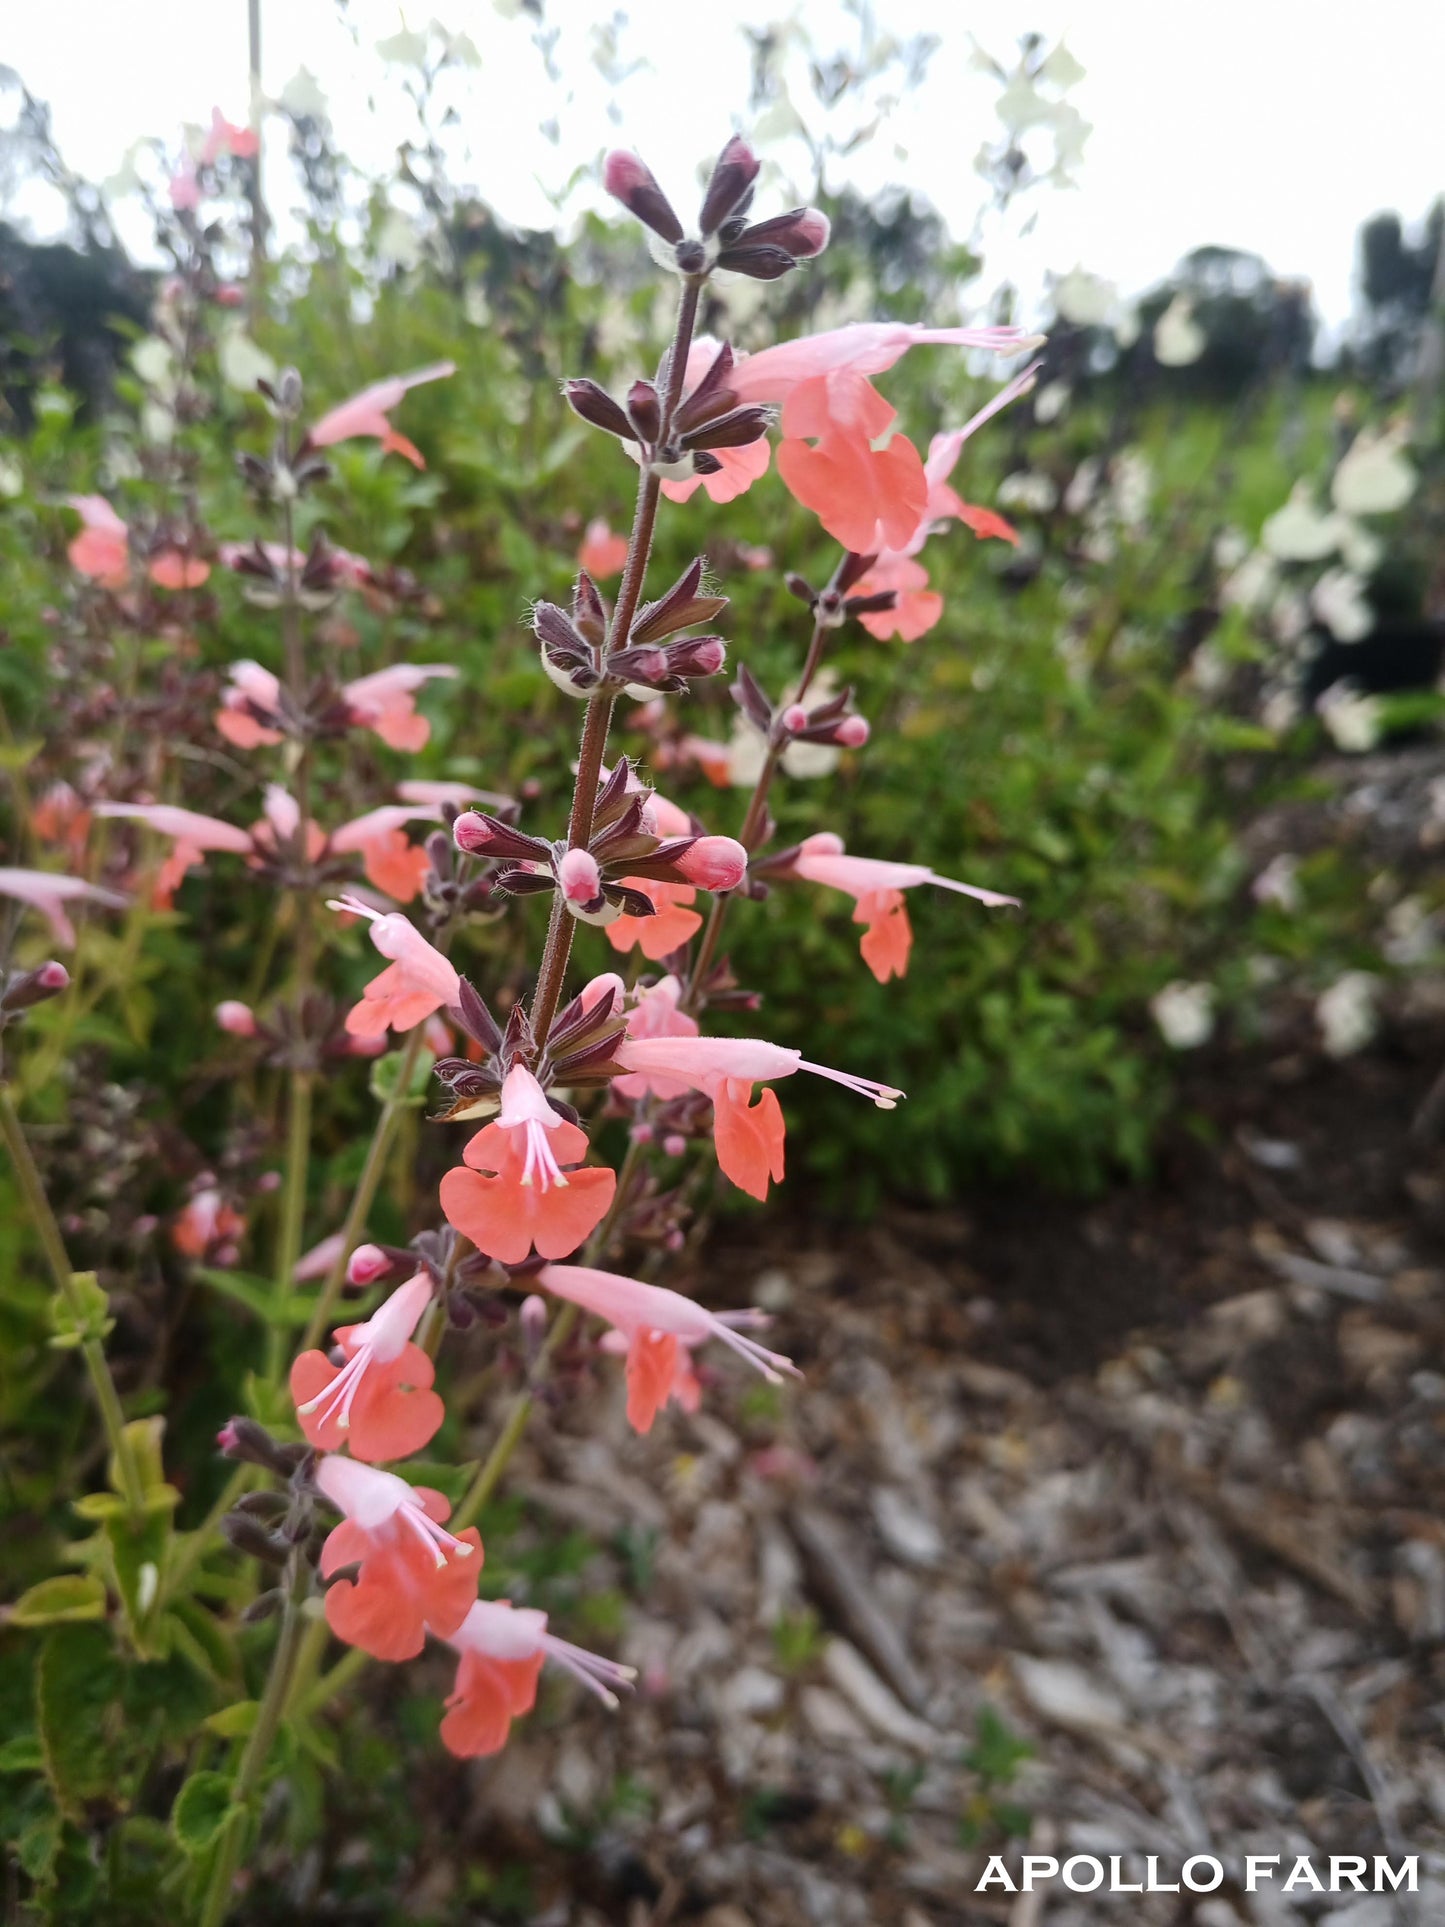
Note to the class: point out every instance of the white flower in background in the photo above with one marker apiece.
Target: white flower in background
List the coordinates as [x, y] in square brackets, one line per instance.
[1061, 70]
[1231, 546]
[1099, 544]
[1178, 337]
[1338, 599]
[1083, 485]
[157, 423]
[779, 121]
[476, 307]
[1209, 669]
[1353, 719]
[397, 240]
[1410, 933]
[1252, 583]
[1184, 1014]
[1360, 549]
[1347, 1012]
[302, 96]
[1301, 532]
[747, 746]
[1374, 476]
[1085, 299]
[1278, 882]
[1132, 480]
[241, 362]
[1051, 401]
[12, 478]
[1025, 489]
[1280, 710]
[1126, 328]
[154, 363]
[404, 49]
[126, 179]
[1289, 615]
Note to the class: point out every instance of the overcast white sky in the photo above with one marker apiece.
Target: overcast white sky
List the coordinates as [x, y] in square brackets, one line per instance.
[1273, 125]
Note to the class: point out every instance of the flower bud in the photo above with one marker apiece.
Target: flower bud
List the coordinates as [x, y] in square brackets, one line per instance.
[628, 180]
[579, 878]
[674, 1144]
[732, 180]
[366, 1264]
[236, 1019]
[794, 718]
[34, 986]
[852, 732]
[473, 833]
[714, 863]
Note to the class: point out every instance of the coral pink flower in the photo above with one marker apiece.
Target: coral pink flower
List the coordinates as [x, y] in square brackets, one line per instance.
[393, 863]
[101, 550]
[195, 836]
[917, 607]
[418, 979]
[380, 1401]
[175, 569]
[185, 188]
[659, 935]
[248, 683]
[225, 137]
[414, 1573]
[862, 348]
[514, 1192]
[386, 702]
[502, 1648]
[656, 1015]
[278, 826]
[204, 1222]
[59, 816]
[749, 1137]
[659, 1327]
[366, 414]
[602, 553]
[877, 889]
[869, 494]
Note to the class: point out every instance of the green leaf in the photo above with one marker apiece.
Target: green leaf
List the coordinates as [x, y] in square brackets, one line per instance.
[258, 1295]
[55, 1602]
[201, 1811]
[78, 1684]
[22, 1754]
[386, 1078]
[234, 1722]
[80, 1314]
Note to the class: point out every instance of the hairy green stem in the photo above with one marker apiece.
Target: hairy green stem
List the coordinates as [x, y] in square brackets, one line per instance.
[32, 1188]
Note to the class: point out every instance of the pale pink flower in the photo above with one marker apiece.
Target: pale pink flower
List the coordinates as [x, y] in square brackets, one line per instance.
[660, 1327]
[385, 702]
[317, 1262]
[448, 795]
[101, 550]
[366, 414]
[195, 836]
[176, 569]
[417, 981]
[379, 1402]
[225, 137]
[861, 348]
[48, 893]
[502, 1648]
[249, 687]
[414, 1574]
[602, 553]
[391, 860]
[656, 1014]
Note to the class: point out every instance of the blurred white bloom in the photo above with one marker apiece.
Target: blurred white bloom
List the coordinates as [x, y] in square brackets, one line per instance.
[1126, 328]
[406, 49]
[475, 306]
[1252, 583]
[1085, 299]
[1300, 532]
[1410, 935]
[1051, 401]
[1027, 490]
[397, 240]
[1099, 544]
[157, 423]
[779, 121]
[126, 178]
[459, 47]
[1338, 599]
[1289, 615]
[1346, 1013]
[1021, 105]
[1278, 882]
[1279, 710]
[1184, 1014]
[154, 363]
[1083, 485]
[1231, 546]
[1061, 70]
[1071, 133]
[12, 478]
[1178, 337]
[1374, 476]
[1209, 670]
[1132, 479]
[1361, 550]
[241, 362]
[302, 95]
[1353, 719]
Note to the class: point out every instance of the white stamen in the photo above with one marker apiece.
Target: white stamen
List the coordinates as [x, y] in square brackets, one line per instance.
[882, 1095]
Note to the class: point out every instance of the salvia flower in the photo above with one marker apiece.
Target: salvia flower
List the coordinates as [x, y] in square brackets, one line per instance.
[602, 553]
[102, 549]
[520, 1186]
[692, 440]
[502, 1648]
[659, 1326]
[368, 414]
[48, 892]
[413, 1572]
[417, 982]
[379, 1401]
[749, 1137]
[877, 890]
[385, 702]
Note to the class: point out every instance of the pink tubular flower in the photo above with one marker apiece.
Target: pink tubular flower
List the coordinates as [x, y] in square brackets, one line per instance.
[176, 569]
[659, 1327]
[502, 1648]
[869, 494]
[602, 553]
[249, 688]
[102, 549]
[205, 1221]
[385, 702]
[380, 1401]
[862, 348]
[414, 1573]
[749, 1137]
[225, 137]
[393, 863]
[366, 414]
[514, 1192]
[916, 607]
[877, 889]
[195, 836]
[417, 981]
[49, 893]
[657, 1015]
[671, 925]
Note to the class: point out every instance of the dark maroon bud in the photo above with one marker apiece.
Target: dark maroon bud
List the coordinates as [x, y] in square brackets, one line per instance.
[645, 665]
[867, 605]
[471, 1013]
[850, 570]
[759, 264]
[263, 1606]
[736, 170]
[705, 464]
[589, 611]
[627, 179]
[712, 395]
[249, 1537]
[289, 395]
[242, 1438]
[698, 656]
[262, 1505]
[482, 835]
[803, 590]
[644, 411]
[738, 429]
[595, 405]
[691, 257]
[34, 986]
[747, 693]
[802, 232]
[556, 630]
[683, 604]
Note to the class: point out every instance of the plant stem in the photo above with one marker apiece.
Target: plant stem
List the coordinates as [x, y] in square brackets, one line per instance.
[194, 1544]
[32, 1187]
[598, 720]
[253, 1765]
[293, 1212]
[489, 1474]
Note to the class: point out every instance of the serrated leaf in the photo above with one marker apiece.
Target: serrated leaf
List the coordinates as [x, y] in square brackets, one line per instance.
[55, 1602]
[201, 1811]
[78, 1684]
